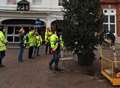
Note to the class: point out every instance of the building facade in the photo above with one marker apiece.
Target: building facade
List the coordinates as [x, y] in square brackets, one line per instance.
[48, 11]
[111, 10]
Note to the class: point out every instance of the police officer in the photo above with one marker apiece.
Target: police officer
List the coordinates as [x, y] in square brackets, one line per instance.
[31, 43]
[3, 43]
[48, 33]
[55, 51]
[38, 43]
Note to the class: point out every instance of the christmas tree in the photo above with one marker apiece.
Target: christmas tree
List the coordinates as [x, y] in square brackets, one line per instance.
[82, 21]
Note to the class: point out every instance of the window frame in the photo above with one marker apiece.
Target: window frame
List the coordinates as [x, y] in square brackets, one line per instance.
[109, 13]
[13, 35]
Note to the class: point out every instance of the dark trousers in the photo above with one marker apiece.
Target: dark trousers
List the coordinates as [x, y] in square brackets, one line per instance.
[30, 52]
[55, 59]
[36, 51]
[2, 54]
[47, 48]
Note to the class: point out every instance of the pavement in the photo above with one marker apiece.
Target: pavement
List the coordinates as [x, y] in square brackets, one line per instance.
[35, 74]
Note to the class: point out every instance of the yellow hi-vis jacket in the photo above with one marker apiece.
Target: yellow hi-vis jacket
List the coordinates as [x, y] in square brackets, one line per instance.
[53, 42]
[31, 38]
[38, 40]
[3, 41]
[47, 36]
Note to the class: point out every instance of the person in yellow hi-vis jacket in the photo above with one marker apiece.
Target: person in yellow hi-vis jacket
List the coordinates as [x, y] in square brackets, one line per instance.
[3, 43]
[38, 43]
[31, 42]
[48, 33]
[55, 51]
[34, 43]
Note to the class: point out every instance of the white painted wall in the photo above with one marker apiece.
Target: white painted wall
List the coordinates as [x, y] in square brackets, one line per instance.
[47, 10]
[47, 5]
[2, 2]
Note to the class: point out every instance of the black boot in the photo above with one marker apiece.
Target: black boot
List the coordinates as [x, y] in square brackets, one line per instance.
[57, 68]
[1, 65]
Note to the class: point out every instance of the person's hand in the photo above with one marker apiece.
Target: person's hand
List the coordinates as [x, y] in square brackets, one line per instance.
[53, 51]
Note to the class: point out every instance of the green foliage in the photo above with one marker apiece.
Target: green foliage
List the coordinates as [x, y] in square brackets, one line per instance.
[82, 19]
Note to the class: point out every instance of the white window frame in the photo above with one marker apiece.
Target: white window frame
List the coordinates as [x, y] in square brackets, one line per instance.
[12, 35]
[110, 12]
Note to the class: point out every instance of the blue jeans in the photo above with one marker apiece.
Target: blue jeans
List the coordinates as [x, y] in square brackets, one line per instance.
[55, 59]
[20, 56]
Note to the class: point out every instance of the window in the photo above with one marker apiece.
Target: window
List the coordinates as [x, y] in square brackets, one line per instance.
[36, 2]
[10, 30]
[109, 23]
[12, 34]
[60, 2]
[11, 1]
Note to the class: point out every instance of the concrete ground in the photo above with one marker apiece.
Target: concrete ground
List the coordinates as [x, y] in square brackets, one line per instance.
[35, 74]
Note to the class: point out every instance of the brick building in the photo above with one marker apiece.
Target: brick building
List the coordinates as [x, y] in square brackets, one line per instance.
[111, 10]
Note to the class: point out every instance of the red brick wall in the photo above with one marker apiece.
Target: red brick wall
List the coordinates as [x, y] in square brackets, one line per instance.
[110, 1]
[118, 19]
